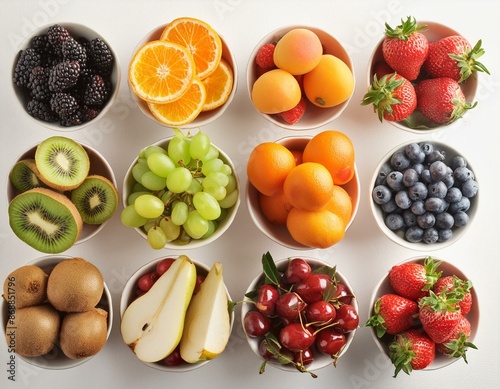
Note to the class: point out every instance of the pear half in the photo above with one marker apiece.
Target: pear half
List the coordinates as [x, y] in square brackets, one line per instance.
[152, 325]
[208, 324]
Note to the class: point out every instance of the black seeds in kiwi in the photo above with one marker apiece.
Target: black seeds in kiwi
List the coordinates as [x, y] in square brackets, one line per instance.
[25, 176]
[96, 199]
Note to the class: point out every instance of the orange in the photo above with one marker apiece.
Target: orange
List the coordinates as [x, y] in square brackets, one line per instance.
[309, 186]
[161, 72]
[268, 166]
[298, 51]
[219, 85]
[340, 204]
[318, 229]
[334, 150]
[275, 208]
[330, 83]
[275, 91]
[183, 110]
[200, 39]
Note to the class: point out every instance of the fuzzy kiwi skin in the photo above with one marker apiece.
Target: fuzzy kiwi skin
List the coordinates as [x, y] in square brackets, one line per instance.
[29, 283]
[75, 285]
[25, 175]
[83, 334]
[35, 330]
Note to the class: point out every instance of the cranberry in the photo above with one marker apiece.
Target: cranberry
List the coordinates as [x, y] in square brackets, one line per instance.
[330, 341]
[174, 358]
[297, 271]
[320, 312]
[295, 337]
[304, 357]
[343, 294]
[313, 287]
[164, 265]
[289, 306]
[267, 296]
[147, 280]
[256, 324]
[347, 318]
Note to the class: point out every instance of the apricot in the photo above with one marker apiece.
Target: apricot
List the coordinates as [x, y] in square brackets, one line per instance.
[275, 91]
[298, 51]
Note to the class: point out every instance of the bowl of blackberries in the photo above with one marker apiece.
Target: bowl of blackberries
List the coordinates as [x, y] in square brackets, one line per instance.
[424, 195]
[301, 314]
[65, 76]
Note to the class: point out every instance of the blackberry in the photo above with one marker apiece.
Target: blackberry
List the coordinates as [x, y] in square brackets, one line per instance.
[57, 35]
[41, 110]
[64, 76]
[63, 104]
[97, 91]
[39, 83]
[89, 113]
[74, 51]
[28, 59]
[74, 119]
[47, 53]
[101, 58]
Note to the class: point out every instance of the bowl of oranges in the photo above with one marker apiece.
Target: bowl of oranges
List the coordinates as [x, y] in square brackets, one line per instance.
[183, 74]
[300, 77]
[307, 198]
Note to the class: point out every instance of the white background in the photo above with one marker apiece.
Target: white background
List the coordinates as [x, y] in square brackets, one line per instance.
[365, 254]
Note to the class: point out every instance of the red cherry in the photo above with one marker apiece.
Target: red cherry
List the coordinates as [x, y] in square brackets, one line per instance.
[256, 324]
[320, 312]
[330, 341]
[343, 294]
[297, 270]
[304, 357]
[347, 318]
[267, 296]
[295, 337]
[164, 265]
[289, 305]
[313, 287]
[147, 280]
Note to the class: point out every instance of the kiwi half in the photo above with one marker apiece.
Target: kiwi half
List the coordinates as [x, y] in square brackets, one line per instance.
[96, 199]
[25, 176]
[63, 163]
[46, 220]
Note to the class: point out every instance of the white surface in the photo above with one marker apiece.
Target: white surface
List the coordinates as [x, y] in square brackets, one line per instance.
[363, 256]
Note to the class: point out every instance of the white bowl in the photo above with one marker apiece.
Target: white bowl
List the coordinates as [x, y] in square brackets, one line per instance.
[384, 287]
[128, 295]
[222, 226]
[55, 359]
[203, 118]
[76, 30]
[320, 360]
[398, 237]
[433, 32]
[279, 233]
[314, 116]
[98, 165]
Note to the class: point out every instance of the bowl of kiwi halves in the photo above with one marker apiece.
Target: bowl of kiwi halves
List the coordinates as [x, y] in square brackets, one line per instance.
[56, 311]
[60, 192]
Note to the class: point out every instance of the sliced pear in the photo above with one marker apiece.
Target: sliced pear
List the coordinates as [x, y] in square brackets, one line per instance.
[208, 324]
[152, 325]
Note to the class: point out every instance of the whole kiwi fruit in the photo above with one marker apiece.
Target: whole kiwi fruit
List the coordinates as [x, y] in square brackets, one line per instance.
[28, 285]
[83, 334]
[75, 285]
[34, 330]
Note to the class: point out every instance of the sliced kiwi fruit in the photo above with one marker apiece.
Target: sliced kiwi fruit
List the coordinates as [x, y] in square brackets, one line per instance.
[63, 163]
[96, 199]
[25, 175]
[29, 286]
[46, 220]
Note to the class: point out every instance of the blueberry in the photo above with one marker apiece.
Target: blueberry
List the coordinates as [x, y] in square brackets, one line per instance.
[395, 180]
[425, 176]
[449, 179]
[438, 170]
[444, 220]
[385, 169]
[458, 161]
[410, 218]
[418, 191]
[454, 195]
[426, 147]
[437, 189]
[462, 205]
[463, 174]
[414, 234]
[394, 221]
[402, 200]
[414, 153]
[399, 160]
[418, 167]
[431, 235]
[469, 188]
[390, 206]
[427, 220]
[418, 208]
[435, 204]
[461, 219]
[445, 234]
[381, 194]
[410, 177]
[436, 155]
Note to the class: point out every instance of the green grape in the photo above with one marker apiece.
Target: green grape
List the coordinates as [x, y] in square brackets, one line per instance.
[226, 169]
[149, 206]
[199, 146]
[138, 187]
[206, 205]
[160, 164]
[153, 182]
[216, 178]
[231, 185]
[179, 180]
[196, 225]
[130, 218]
[146, 152]
[212, 226]
[183, 238]
[156, 238]
[165, 197]
[131, 198]
[223, 214]
[178, 150]
[171, 230]
[212, 166]
[217, 192]
[138, 170]
[230, 199]
[179, 213]
[149, 224]
[212, 153]
[195, 186]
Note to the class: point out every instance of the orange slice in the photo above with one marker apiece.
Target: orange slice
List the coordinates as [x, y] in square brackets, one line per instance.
[218, 85]
[184, 110]
[200, 39]
[161, 72]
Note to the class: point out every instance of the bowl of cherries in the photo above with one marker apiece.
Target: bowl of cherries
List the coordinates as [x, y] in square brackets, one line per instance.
[300, 314]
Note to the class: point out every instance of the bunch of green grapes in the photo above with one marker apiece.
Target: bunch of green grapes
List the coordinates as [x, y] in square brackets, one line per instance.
[180, 193]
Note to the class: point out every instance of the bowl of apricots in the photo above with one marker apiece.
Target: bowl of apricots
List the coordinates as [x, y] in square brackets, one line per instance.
[309, 196]
[183, 74]
[300, 77]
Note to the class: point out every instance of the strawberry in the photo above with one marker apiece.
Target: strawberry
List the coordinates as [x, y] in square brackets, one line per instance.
[411, 350]
[264, 57]
[414, 280]
[405, 49]
[293, 115]
[441, 100]
[456, 345]
[381, 68]
[392, 314]
[439, 315]
[454, 57]
[393, 97]
[460, 287]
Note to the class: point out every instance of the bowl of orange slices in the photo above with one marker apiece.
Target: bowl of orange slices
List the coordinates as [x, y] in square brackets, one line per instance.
[183, 74]
[304, 201]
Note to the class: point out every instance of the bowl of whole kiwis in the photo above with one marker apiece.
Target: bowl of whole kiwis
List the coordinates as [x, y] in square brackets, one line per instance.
[69, 186]
[56, 311]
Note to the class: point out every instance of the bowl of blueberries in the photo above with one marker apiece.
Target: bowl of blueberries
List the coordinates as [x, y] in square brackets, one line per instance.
[424, 195]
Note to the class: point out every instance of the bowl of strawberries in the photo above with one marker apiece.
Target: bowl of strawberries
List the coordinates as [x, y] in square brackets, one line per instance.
[423, 76]
[424, 314]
